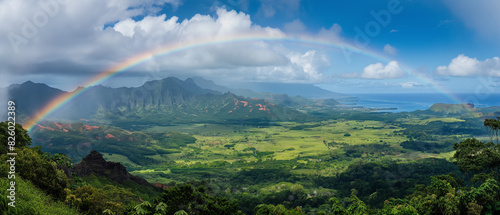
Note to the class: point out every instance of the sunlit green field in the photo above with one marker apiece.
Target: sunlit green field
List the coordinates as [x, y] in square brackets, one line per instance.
[426, 121]
[118, 158]
[231, 143]
[302, 145]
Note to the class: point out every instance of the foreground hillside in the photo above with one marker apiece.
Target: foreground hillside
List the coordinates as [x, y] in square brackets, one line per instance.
[50, 184]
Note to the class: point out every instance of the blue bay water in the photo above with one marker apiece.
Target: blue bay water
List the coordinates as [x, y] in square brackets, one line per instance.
[423, 101]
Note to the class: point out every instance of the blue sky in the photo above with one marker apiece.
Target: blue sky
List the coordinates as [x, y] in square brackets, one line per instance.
[424, 47]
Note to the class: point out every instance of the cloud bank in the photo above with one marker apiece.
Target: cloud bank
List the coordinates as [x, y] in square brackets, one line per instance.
[464, 66]
[87, 37]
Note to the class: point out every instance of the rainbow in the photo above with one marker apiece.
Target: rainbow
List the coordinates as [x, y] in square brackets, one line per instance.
[173, 48]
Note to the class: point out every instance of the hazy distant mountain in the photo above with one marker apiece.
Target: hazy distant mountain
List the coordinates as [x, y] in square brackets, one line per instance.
[303, 90]
[296, 102]
[208, 84]
[29, 96]
[261, 90]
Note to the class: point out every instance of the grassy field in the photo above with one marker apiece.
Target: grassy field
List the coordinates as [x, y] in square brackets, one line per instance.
[118, 158]
[301, 144]
[286, 141]
[426, 121]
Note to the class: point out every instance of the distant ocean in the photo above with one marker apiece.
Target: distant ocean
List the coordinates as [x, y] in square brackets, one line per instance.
[412, 102]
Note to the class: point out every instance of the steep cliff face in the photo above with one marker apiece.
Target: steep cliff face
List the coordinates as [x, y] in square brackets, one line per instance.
[166, 92]
[94, 164]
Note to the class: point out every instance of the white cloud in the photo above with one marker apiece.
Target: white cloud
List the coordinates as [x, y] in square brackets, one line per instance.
[411, 84]
[390, 49]
[464, 66]
[379, 71]
[310, 64]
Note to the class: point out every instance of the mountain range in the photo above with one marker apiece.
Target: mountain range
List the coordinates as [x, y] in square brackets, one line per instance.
[254, 89]
[165, 101]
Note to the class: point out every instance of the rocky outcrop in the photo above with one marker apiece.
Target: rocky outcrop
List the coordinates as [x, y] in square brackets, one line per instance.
[94, 164]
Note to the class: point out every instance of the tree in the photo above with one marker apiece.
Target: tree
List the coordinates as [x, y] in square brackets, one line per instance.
[357, 207]
[484, 198]
[30, 165]
[22, 139]
[181, 212]
[473, 157]
[493, 128]
[298, 190]
[437, 198]
[398, 207]
[197, 201]
[337, 208]
[264, 209]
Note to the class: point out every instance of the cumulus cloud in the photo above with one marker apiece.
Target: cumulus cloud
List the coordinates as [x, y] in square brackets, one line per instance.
[302, 68]
[376, 71]
[309, 63]
[379, 71]
[464, 66]
[87, 37]
[390, 49]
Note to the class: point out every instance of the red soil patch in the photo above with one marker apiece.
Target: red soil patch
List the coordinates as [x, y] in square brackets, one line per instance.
[109, 136]
[43, 127]
[58, 125]
[261, 107]
[159, 185]
[88, 127]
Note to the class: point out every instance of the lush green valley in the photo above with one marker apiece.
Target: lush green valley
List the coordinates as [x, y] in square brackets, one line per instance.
[343, 162]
